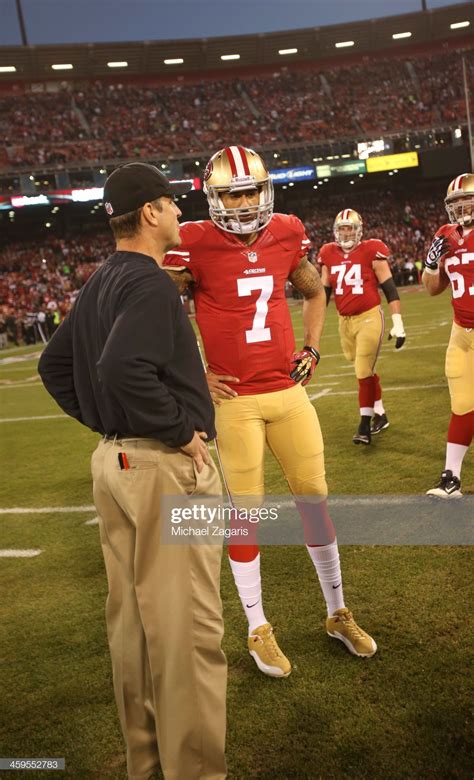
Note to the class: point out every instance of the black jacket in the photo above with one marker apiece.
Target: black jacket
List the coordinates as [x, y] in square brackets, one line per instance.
[125, 360]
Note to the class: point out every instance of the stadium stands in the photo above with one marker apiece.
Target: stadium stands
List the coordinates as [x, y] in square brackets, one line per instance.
[98, 121]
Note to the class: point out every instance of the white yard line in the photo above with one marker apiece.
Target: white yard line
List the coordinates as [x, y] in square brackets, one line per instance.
[14, 386]
[314, 396]
[10, 369]
[19, 553]
[385, 390]
[45, 510]
[39, 417]
[17, 358]
[404, 349]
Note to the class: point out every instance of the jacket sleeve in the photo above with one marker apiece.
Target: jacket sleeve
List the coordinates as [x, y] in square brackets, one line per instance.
[56, 370]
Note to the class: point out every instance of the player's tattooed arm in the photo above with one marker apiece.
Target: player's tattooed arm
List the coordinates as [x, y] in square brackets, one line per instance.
[308, 282]
[306, 279]
[182, 279]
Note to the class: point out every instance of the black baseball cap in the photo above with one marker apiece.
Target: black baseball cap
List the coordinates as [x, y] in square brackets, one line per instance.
[134, 184]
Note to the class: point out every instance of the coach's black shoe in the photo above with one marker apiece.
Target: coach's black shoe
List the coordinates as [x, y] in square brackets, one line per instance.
[379, 423]
[448, 486]
[363, 434]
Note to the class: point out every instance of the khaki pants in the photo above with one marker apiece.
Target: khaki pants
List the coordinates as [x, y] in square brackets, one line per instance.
[164, 614]
[361, 338]
[460, 369]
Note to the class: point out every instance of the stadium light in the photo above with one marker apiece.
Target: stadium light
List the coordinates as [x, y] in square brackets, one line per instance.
[176, 61]
[117, 64]
[230, 56]
[287, 51]
[62, 66]
[7, 69]
[458, 25]
[397, 36]
[343, 44]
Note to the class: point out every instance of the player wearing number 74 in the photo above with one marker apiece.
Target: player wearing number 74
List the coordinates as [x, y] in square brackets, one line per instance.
[450, 261]
[354, 269]
[238, 263]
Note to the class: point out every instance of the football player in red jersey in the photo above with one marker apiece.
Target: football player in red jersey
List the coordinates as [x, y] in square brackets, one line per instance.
[238, 263]
[450, 261]
[354, 269]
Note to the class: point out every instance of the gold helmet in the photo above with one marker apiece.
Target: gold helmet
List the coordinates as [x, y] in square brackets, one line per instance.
[235, 169]
[459, 200]
[352, 219]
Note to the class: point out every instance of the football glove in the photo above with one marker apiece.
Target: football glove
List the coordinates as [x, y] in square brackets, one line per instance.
[305, 363]
[438, 248]
[398, 331]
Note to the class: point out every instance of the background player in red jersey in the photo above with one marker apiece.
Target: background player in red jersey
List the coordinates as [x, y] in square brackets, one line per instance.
[239, 263]
[450, 261]
[354, 269]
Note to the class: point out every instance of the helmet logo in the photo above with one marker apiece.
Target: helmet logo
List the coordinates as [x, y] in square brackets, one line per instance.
[252, 257]
[109, 209]
[208, 170]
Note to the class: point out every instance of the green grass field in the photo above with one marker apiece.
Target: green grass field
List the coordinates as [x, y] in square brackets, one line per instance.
[405, 713]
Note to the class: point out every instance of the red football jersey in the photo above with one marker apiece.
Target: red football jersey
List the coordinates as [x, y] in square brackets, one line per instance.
[352, 276]
[241, 308]
[459, 266]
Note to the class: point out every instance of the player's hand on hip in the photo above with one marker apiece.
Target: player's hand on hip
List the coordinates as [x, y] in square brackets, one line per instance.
[305, 364]
[398, 331]
[197, 450]
[217, 387]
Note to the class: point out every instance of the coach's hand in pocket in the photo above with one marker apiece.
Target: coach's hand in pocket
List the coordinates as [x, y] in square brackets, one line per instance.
[197, 450]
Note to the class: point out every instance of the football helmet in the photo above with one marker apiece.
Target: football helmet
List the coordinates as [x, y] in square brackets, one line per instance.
[235, 169]
[459, 200]
[352, 219]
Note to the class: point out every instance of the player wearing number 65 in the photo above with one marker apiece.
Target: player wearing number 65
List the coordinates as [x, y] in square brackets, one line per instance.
[239, 263]
[450, 261]
[354, 269]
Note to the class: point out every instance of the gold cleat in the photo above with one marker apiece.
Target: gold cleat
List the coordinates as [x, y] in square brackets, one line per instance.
[267, 655]
[341, 625]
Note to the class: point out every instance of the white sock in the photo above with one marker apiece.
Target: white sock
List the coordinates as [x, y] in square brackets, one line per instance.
[366, 411]
[454, 457]
[249, 587]
[326, 563]
[379, 407]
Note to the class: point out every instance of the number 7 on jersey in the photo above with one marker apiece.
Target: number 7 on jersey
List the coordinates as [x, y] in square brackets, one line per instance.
[245, 287]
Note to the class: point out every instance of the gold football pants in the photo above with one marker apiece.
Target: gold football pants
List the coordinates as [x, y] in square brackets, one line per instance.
[361, 338]
[460, 369]
[285, 420]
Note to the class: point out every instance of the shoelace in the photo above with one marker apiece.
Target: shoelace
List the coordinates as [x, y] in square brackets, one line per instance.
[268, 638]
[352, 626]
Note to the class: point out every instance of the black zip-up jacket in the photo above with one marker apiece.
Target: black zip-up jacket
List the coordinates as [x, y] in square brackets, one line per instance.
[125, 360]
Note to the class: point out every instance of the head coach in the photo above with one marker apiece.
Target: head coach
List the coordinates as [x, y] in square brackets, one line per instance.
[126, 364]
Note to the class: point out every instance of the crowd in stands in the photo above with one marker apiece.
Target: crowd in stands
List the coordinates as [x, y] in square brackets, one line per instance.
[98, 121]
[43, 280]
